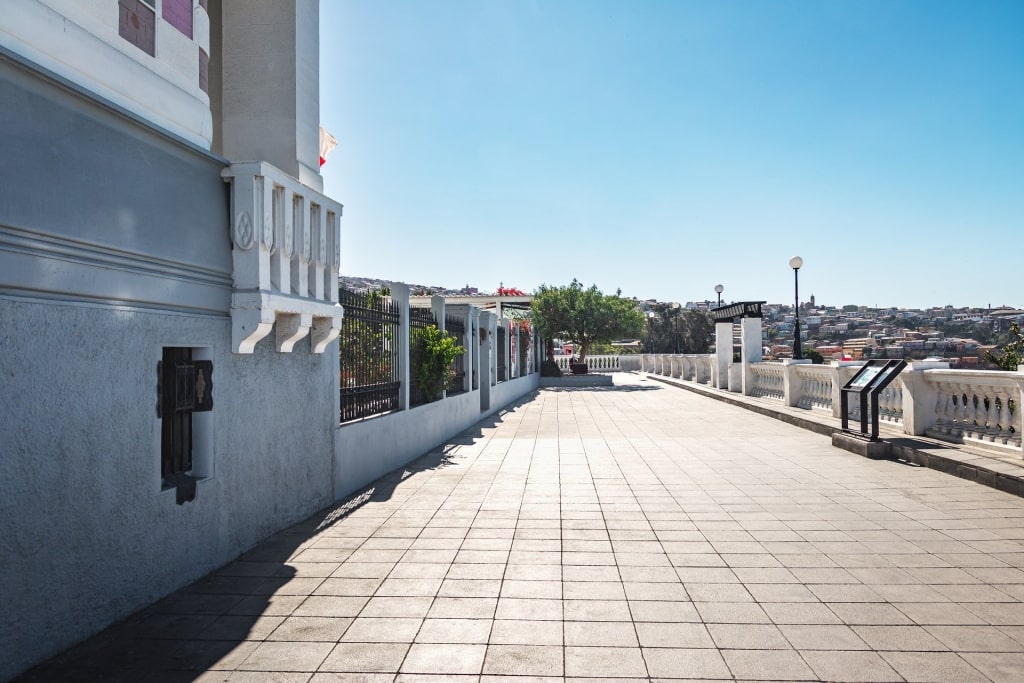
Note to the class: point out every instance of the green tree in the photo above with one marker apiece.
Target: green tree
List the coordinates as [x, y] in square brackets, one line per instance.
[813, 356]
[584, 316]
[434, 350]
[1012, 354]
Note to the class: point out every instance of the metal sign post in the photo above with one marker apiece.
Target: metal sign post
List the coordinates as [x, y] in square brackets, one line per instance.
[868, 384]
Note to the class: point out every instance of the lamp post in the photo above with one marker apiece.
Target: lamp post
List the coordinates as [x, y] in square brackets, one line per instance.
[795, 263]
[718, 290]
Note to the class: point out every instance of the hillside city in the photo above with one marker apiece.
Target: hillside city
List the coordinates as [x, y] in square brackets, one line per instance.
[959, 336]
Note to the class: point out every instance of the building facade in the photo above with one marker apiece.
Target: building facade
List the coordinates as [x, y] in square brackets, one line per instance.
[168, 301]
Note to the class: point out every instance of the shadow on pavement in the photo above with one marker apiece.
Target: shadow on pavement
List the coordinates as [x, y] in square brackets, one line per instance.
[215, 623]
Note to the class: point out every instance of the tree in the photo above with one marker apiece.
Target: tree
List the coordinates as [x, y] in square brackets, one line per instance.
[584, 316]
[813, 355]
[673, 329]
[1012, 354]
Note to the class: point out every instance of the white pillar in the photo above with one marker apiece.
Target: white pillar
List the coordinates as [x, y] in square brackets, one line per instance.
[919, 396]
[791, 388]
[400, 295]
[723, 354]
[270, 66]
[750, 350]
[473, 348]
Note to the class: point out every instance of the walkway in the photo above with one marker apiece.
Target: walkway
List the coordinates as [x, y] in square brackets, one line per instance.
[639, 532]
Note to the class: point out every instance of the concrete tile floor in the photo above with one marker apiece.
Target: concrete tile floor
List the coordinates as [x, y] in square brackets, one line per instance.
[634, 533]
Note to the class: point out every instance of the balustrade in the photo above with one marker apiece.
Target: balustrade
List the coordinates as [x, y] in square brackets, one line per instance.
[977, 407]
[769, 380]
[962, 406]
[596, 363]
[815, 383]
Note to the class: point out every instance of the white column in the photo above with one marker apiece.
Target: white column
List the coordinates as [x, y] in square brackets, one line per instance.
[751, 350]
[400, 295]
[919, 397]
[723, 354]
[270, 107]
[791, 386]
[473, 348]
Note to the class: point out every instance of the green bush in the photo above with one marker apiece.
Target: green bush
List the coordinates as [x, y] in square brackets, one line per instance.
[434, 351]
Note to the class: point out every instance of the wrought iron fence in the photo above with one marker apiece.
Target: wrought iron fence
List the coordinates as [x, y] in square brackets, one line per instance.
[502, 353]
[368, 346]
[418, 318]
[457, 328]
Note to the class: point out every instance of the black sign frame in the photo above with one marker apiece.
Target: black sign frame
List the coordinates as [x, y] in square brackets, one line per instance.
[867, 384]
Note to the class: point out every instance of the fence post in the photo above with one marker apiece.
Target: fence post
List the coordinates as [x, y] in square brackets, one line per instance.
[792, 391]
[723, 353]
[841, 374]
[437, 308]
[473, 346]
[400, 295]
[750, 351]
[919, 397]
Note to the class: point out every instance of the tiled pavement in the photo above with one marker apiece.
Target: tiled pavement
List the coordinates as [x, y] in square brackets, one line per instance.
[634, 533]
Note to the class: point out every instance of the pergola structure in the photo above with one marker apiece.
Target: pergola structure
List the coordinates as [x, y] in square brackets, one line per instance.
[487, 302]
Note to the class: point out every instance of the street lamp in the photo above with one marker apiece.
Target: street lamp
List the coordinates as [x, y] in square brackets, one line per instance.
[795, 263]
[718, 290]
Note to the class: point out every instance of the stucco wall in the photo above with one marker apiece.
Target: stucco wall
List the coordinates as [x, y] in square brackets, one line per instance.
[114, 242]
[86, 535]
[370, 449]
[119, 211]
[504, 393]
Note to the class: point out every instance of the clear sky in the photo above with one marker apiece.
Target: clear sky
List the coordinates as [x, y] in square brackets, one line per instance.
[665, 147]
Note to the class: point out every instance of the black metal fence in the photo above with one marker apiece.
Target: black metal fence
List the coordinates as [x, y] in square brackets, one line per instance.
[369, 354]
[457, 328]
[418, 318]
[502, 353]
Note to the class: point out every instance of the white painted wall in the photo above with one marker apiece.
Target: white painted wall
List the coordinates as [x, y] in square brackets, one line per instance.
[371, 448]
[78, 40]
[86, 534]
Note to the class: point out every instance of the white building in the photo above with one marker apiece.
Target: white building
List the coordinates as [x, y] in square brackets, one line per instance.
[164, 240]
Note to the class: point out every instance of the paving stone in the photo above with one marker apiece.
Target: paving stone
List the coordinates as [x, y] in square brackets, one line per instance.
[613, 535]
[524, 660]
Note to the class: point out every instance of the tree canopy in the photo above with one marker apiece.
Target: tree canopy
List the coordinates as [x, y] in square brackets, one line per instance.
[584, 316]
[1012, 354]
[674, 329]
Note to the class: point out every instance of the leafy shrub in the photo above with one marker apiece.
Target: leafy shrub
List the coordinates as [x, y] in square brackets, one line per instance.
[434, 351]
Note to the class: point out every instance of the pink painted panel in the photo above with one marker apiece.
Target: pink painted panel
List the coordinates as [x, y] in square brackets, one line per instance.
[178, 13]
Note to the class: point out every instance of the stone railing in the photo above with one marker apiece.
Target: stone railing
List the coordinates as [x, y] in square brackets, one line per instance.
[769, 380]
[975, 407]
[815, 386]
[285, 259]
[594, 363]
[631, 363]
[980, 408]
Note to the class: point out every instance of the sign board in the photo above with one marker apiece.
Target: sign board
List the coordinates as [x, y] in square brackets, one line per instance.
[867, 384]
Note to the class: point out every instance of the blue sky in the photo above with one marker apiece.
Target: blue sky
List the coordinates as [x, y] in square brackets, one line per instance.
[665, 147]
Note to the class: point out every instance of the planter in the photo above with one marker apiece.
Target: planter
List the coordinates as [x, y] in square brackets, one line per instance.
[578, 368]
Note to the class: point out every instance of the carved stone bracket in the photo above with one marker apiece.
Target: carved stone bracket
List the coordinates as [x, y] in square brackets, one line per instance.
[285, 260]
